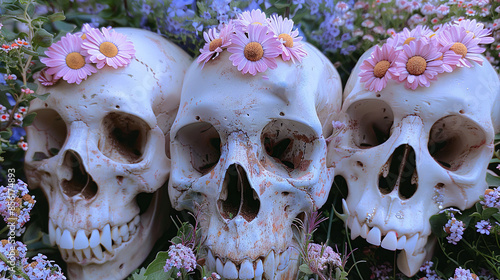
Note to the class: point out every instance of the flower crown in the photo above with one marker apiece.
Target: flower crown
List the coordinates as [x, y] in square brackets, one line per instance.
[255, 42]
[417, 56]
[73, 57]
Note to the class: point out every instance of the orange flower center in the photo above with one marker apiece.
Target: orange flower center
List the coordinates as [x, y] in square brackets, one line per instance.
[416, 65]
[75, 60]
[408, 40]
[108, 49]
[256, 22]
[381, 68]
[84, 36]
[288, 41]
[216, 43]
[460, 49]
[253, 51]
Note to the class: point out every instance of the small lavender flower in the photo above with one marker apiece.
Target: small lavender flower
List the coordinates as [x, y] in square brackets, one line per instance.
[23, 203]
[429, 272]
[180, 257]
[491, 198]
[463, 274]
[7, 249]
[381, 272]
[41, 269]
[483, 227]
[455, 229]
[318, 261]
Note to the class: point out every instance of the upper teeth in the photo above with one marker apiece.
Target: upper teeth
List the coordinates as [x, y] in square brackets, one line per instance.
[391, 241]
[263, 267]
[87, 244]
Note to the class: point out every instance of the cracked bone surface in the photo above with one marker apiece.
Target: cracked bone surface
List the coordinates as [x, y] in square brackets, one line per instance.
[99, 152]
[252, 152]
[408, 154]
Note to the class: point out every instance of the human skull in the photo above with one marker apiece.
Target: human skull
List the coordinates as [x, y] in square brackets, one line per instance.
[99, 148]
[407, 154]
[252, 152]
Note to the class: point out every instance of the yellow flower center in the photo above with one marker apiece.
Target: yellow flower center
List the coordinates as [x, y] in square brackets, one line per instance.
[256, 22]
[408, 40]
[84, 36]
[108, 49]
[416, 65]
[287, 38]
[75, 60]
[460, 49]
[381, 68]
[216, 43]
[253, 51]
[432, 35]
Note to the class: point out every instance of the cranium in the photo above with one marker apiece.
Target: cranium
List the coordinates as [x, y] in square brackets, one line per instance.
[98, 148]
[251, 150]
[408, 154]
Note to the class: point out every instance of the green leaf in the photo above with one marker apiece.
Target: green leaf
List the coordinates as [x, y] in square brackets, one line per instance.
[42, 38]
[28, 119]
[496, 217]
[4, 100]
[157, 264]
[42, 97]
[305, 268]
[495, 160]
[488, 212]
[57, 17]
[6, 134]
[176, 240]
[493, 181]
[64, 26]
[437, 222]
[282, 5]
[29, 52]
[139, 275]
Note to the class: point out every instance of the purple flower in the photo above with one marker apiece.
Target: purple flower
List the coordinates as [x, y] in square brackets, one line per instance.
[483, 227]
[491, 198]
[180, 256]
[455, 229]
[462, 274]
[320, 256]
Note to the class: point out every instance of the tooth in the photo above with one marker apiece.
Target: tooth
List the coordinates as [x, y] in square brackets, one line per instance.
[364, 231]
[81, 240]
[374, 236]
[66, 240]
[219, 267]
[64, 254]
[246, 270]
[259, 269]
[79, 255]
[52, 233]
[345, 208]
[119, 241]
[284, 258]
[210, 261]
[136, 220]
[124, 232]
[269, 265]
[410, 244]
[58, 236]
[355, 228]
[401, 242]
[409, 264]
[258, 277]
[276, 262]
[115, 233]
[97, 250]
[390, 241]
[94, 238]
[230, 271]
[131, 227]
[87, 253]
[106, 238]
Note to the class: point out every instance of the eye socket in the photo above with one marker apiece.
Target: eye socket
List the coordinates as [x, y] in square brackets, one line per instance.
[289, 143]
[372, 120]
[455, 142]
[203, 142]
[125, 137]
[51, 132]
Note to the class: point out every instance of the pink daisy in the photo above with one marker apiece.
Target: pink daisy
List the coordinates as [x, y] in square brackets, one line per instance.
[45, 78]
[215, 42]
[256, 52]
[477, 29]
[458, 40]
[246, 19]
[292, 47]
[375, 70]
[65, 60]
[419, 32]
[108, 47]
[417, 64]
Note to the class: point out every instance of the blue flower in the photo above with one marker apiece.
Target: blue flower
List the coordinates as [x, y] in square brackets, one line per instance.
[179, 8]
[221, 6]
[206, 15]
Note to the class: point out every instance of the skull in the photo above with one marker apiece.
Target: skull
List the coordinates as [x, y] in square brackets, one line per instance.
[251, 151]
[98, 150]
[408, 154]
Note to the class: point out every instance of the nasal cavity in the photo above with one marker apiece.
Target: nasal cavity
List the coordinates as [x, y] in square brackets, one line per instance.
[237, 196]
[400, 173]
[81, 182]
